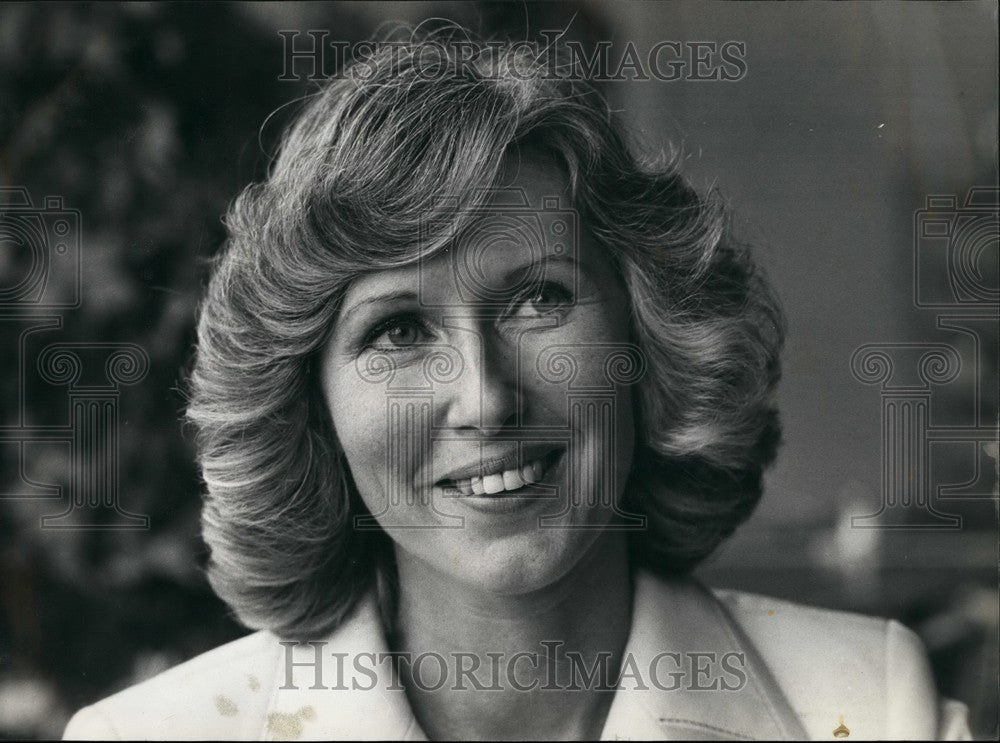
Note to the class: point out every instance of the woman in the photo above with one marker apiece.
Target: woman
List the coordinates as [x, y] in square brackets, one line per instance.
[474, 392]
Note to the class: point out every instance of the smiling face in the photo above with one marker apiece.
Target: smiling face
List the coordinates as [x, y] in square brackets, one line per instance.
[471, 397]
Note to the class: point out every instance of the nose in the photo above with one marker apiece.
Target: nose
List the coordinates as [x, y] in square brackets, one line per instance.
[485, 396]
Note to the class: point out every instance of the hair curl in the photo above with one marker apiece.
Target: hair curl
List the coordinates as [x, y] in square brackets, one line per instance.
[408, 137]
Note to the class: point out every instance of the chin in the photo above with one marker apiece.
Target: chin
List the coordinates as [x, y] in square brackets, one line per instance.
[526, 563]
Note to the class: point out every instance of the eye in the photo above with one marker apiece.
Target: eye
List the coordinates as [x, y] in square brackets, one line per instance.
[397, 333]
[545, 299]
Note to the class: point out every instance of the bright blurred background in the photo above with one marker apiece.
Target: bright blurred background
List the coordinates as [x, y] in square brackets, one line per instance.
[147, 118]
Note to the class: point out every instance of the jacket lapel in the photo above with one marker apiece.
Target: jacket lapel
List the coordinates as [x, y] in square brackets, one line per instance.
[348, 695]
[696, 676]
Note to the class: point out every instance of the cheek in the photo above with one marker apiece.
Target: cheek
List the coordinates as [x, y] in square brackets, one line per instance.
[592, 350]
[592, 343]
[357, 410]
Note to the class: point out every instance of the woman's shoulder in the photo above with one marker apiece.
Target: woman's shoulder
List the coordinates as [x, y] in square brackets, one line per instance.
[809, 643]
[870, 675]
[794, 671]
[786, 627]
[212, 696]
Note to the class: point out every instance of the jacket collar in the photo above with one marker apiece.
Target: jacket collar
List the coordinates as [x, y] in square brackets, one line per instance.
[694, 675]
[720, 689]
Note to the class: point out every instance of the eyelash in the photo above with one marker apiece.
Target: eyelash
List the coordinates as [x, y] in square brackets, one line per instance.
[567, 295]
[384, 326]
[411, 319]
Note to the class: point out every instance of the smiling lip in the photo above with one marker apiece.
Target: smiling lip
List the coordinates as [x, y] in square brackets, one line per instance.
[516, 503]
[500, 475]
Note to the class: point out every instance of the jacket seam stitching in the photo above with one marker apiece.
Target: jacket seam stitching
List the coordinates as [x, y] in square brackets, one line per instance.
[705, 726]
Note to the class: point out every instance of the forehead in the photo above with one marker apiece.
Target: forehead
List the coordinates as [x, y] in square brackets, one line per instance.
[527, 225]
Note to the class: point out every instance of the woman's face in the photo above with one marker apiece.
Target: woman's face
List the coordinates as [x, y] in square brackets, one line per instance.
[472, 399]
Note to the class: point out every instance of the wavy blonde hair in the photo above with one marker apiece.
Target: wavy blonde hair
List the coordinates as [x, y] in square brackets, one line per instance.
[408, 137]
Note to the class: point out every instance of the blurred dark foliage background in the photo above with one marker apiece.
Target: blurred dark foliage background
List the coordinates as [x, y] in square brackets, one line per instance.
[149, 118]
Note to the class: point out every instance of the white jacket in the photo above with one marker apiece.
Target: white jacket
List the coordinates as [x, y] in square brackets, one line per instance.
[806, 672]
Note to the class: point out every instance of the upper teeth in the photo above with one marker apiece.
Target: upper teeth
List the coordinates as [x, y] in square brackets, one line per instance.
[497, 482]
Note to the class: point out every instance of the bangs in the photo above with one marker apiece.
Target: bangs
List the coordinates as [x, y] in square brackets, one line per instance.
[385, 183]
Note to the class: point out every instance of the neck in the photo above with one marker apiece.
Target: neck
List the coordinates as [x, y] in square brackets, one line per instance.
[517, 666]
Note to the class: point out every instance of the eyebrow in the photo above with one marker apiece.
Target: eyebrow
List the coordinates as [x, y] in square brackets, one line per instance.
[398, 296]
[546, 260]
